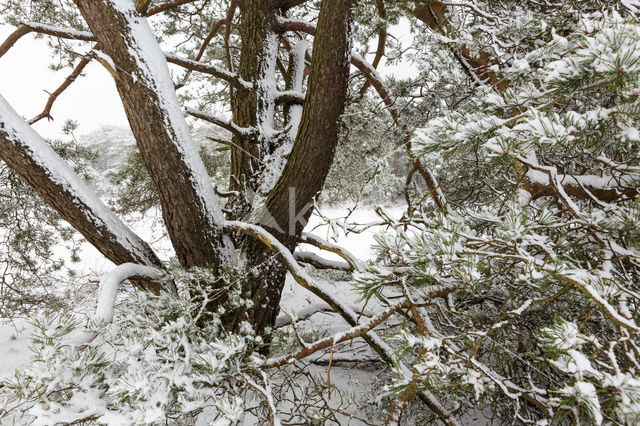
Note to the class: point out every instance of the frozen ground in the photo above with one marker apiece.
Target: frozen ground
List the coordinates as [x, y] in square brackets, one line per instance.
[14, 334]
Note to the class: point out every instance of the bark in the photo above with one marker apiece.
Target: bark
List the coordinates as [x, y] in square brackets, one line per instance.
[257, 18]
[288, 206]
[190, 211]
[31, 158]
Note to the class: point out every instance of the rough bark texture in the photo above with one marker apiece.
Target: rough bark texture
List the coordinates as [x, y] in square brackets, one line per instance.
[196, 239]
[313, 150]
[257, 18]
[97, 225]
[288, 206]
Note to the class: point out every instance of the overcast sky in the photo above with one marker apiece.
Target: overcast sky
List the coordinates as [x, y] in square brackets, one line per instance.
[92, 100]
[25, 77]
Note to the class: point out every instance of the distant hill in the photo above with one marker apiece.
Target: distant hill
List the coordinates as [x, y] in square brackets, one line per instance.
[113, 144]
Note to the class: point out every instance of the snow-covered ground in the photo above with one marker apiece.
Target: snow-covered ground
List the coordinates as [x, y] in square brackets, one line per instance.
[14, 334]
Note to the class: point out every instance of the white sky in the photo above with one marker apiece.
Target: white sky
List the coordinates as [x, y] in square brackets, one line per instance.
[92, 100]
[25, 75]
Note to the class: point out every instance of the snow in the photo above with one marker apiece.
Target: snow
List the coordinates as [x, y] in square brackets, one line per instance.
[25, 138]
[14, 341]
[155, 73]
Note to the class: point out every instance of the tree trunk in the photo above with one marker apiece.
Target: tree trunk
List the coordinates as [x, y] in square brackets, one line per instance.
[31, 158]
[189, 207]
[289, 204]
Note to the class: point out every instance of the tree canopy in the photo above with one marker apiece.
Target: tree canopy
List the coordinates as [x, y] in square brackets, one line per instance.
[508, 286]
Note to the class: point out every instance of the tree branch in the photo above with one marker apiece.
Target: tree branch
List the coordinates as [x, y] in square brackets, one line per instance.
[190, 209]
[46, 112]
[343, 336]
[31, 158]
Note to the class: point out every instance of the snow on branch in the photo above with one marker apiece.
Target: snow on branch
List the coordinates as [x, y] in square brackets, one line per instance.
[107, 292]
[222, 122]
[316, 241]
[213, 70]
[29, 156]
[108, 287]
[320, 262]
[71, 34]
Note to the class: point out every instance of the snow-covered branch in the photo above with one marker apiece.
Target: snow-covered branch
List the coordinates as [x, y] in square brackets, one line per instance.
[107, 292]
[320, 262]
[221, 122]
[316, 241]
[32, 158]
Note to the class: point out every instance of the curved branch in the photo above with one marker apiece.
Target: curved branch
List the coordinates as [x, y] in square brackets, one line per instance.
[107, 292]
[316, 241]
[302, 278]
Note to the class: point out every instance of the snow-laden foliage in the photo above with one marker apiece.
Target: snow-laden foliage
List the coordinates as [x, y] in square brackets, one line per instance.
[32, 237]
[163, 359]
[535, 267]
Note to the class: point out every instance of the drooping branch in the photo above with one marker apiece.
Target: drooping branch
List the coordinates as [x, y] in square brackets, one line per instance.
[107, 292]
[189, 206]
[30, 157]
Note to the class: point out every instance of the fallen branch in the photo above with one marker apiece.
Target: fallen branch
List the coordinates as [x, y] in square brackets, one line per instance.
[352, 333]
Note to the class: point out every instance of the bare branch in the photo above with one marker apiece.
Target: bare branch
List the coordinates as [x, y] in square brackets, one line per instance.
[221, 122]
[46, 112]
[352, 333]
